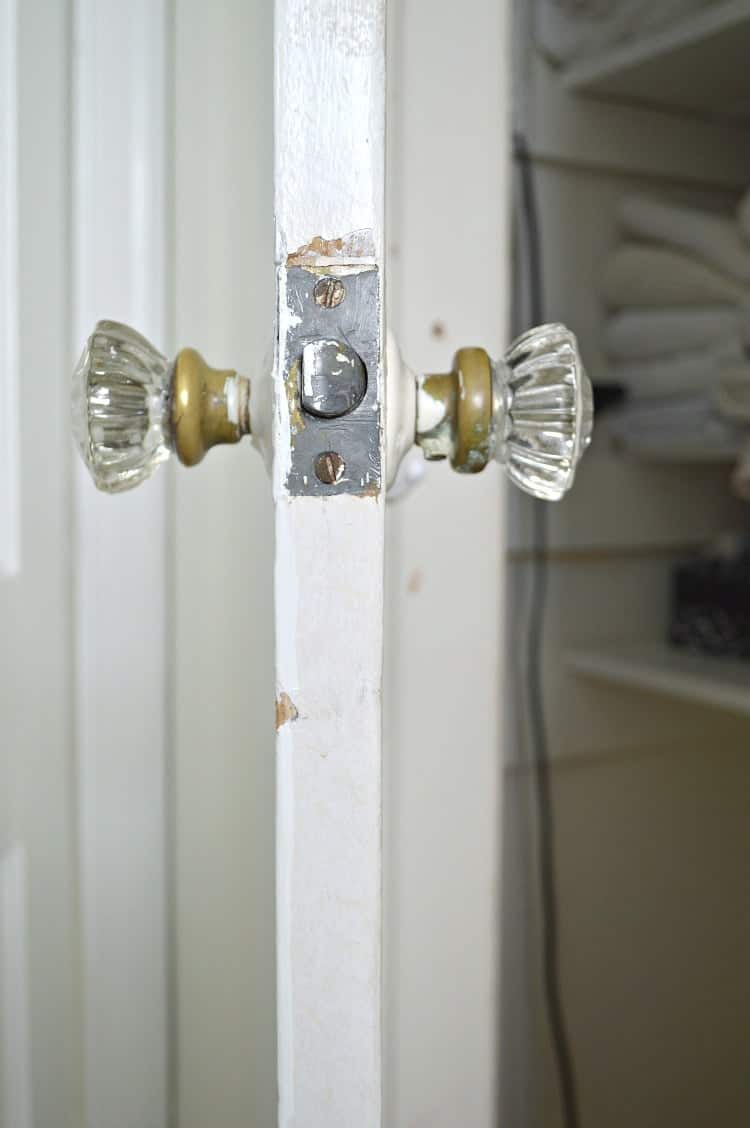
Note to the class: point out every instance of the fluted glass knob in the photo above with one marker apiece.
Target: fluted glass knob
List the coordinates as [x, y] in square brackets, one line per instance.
[132, 407]
[545, 413]
[121, 389]
[532, 411]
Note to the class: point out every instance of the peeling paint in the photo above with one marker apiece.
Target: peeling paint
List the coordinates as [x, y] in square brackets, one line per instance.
[286, 710]
[357, 245]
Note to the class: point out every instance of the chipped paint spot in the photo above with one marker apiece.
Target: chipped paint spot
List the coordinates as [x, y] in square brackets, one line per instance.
[356, 245]
[415, 582]
[286, 710]
[372, 489]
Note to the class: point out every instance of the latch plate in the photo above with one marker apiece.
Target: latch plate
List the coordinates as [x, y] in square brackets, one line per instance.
[356, 436]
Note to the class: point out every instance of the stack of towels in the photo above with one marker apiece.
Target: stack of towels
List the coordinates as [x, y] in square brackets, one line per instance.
[678, 330]
[568, 30]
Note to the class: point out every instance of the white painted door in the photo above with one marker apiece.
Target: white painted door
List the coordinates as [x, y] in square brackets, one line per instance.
[83, 702]
[442, 612]
[40, 1032]
[438, 1038]
[349, 1051]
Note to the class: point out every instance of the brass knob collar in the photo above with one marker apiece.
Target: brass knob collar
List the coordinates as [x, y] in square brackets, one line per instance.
[208, 406]
[455, 412]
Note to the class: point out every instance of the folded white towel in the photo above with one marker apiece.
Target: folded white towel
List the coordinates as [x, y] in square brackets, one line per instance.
[714, 239]
[696, 370]
[687, 424]
[743, 215]
[571, 29]
[732, 394]
[642, 276]
[566, 31]
[644, 334]
[741, 475]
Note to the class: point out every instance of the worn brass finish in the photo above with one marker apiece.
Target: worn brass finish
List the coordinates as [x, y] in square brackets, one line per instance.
[458, 406]
[473, 371]
[201, 407]
[440, 391]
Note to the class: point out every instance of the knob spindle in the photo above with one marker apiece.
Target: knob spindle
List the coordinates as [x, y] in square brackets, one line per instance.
[532, 411]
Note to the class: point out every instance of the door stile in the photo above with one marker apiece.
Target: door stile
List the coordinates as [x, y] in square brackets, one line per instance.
[330, 106]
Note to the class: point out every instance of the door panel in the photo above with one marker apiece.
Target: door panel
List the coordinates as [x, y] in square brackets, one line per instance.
[40, 1037]
[119, 240]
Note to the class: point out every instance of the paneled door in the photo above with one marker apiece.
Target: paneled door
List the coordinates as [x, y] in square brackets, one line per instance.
[83, 1022]
[40, 1043]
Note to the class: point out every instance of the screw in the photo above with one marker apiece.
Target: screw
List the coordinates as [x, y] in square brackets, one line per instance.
[329, 467]
[329, 292]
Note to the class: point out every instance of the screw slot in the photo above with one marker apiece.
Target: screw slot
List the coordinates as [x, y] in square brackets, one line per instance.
[329, 467]
[329, 292]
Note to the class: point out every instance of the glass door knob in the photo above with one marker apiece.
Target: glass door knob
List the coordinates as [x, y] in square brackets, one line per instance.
[132, 407]
[532, 411]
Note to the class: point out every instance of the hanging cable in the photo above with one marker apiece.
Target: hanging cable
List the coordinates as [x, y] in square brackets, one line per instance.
[537, 720]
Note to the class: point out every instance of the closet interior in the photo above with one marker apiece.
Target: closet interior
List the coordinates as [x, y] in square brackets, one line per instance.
[636, 121]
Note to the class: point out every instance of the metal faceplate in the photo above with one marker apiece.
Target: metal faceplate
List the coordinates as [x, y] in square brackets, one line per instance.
[353, 438]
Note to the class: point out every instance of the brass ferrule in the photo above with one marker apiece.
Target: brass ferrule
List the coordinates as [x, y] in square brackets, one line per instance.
[209, 406]
[455, 412]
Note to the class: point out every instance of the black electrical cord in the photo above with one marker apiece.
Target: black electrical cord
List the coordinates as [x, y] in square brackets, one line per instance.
[537, 720]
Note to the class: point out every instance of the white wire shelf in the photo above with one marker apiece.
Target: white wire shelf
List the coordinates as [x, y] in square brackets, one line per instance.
[679, 450]
[655, 667]
[701, 64]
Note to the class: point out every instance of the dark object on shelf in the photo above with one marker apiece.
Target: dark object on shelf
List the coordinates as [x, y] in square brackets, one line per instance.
[711, 600]
[608, 395]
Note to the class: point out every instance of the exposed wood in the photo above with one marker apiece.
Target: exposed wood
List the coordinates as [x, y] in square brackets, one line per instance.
[330, 102]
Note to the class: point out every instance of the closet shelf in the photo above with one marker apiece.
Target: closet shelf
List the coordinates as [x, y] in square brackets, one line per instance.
[700, 64]
[679, 451]
[723, 683]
